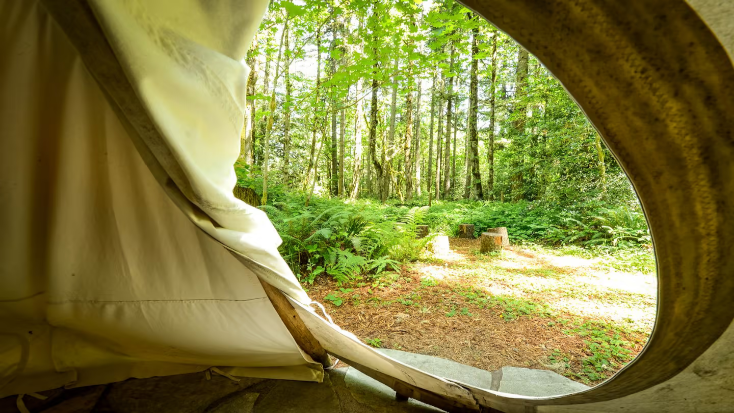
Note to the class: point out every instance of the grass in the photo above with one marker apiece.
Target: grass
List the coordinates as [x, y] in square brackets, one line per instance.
[374, 342]
[605, 314]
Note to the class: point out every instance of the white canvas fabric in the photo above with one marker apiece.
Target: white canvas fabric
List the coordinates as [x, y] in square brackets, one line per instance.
[127, 256]
[108, 272]
[185, 62]
[102, 276]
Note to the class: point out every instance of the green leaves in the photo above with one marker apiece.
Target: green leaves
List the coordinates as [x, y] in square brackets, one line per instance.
[374, 342]
[292, 9]
[334, 299]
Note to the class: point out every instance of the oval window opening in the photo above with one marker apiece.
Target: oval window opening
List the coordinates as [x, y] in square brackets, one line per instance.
[444, 197]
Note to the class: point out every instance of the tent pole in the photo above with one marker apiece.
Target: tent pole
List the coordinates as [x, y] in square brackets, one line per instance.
[305, 340]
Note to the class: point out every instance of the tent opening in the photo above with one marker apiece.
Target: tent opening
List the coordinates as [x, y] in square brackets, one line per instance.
[385, 140]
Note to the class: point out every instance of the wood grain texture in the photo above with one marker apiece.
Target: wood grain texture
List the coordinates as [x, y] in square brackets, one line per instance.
[659, 88]
[405, 390]
[304, 338]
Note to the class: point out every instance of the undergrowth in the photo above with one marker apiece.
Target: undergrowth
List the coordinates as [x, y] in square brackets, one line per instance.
[346, 239]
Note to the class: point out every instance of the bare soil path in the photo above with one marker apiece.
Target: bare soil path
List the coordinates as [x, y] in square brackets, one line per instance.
[524, 307]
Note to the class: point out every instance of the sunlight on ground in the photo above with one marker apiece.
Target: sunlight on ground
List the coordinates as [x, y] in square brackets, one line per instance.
[580, 316]
[576, 285]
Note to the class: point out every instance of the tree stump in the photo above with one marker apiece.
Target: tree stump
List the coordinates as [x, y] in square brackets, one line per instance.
[501, 231]
[421, 231]
[466, 231]
[248, 195]
[441, 245]
[490, 241]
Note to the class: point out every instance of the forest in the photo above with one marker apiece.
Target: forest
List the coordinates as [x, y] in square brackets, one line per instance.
[375, 106]
[367, 118]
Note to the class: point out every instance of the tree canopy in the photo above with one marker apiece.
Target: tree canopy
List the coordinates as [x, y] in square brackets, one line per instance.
[412, 101]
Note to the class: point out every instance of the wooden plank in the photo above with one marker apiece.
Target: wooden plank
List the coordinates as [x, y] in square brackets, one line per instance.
[305, 340]
[404, 390]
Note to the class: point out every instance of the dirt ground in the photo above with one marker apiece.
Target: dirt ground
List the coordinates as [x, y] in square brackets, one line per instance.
[524, 307]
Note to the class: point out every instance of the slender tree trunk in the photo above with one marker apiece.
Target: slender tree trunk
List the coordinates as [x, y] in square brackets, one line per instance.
[417, 140]
[343, 118]
[333, 152]
[439, 138]
[269, 127]
[342, 130]
[357, 175]
[473, 118]
[373, 135]
[262, 125]
[391, 134]
[386, 166]
[453, 149]
[447, 149]
[601, 164]
[248, 131]
[467, 156]
[287, 112]
[407, 144]
[430, 140]
[521, 79]
[313, 158]
[368, 164]
[313, 183]
[492, 112]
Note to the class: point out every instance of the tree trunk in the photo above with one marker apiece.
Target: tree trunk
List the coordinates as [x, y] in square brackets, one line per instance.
[472, 127]
[467, 156]
[490, 242]
[357, 174]
[373, 133]
[466, 231]
[313, 158]
[333, 152]
[313, 182]
[430, 140]
[421, 231]
[453, 149]
[439, 138]
[262, 125]
[269, 126]
[407, 144]
[342, 128]
[502, 231]
[417, 141]
[386, 168]
[391, 134]
[601, 163]
[521, 80]
[492, 103]
[447, 148]
[287, 113]
[249, 128]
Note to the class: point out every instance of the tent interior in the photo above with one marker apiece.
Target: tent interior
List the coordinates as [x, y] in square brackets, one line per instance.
[126, 255]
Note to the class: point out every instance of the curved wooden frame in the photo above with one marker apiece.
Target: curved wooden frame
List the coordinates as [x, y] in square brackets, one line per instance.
[659, 88]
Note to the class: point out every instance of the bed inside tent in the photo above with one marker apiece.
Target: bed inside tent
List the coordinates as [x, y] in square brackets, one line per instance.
[126, 255]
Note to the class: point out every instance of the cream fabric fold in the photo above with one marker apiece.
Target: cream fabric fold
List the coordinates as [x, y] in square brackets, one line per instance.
[185, 61]
[102, 277]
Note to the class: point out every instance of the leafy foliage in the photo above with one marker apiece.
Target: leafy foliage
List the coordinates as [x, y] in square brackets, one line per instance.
[374, 342]
[344, 240]
[587, 224]
[347, 239]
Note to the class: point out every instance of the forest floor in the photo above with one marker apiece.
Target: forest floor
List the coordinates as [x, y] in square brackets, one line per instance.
[527, 306]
